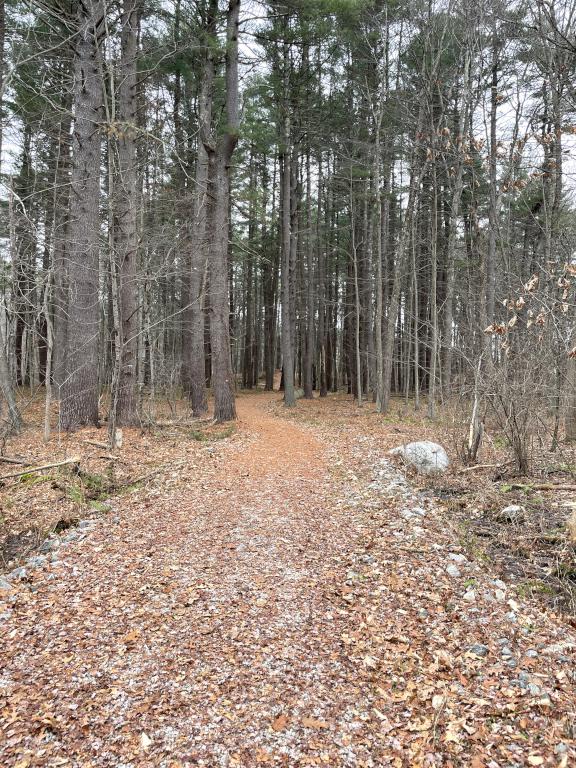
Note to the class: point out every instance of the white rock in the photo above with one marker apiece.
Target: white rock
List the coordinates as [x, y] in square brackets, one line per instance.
[451, 570]
[457, 557]
[513, 513]
[426, 457]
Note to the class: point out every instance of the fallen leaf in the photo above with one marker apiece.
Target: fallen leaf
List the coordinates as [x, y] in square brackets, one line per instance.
[437, 701]
[280, 723]
[131, 636]
[310, 722]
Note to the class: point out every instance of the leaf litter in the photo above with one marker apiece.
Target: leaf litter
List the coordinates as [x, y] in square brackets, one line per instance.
[286, 601]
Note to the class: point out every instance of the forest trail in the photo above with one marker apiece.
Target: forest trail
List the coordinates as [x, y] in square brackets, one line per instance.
[286, 603]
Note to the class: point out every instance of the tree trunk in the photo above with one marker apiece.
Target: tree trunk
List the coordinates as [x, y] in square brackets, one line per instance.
[79, 404]
[287, 341]
[220, 156]
[196, 242]
[126, 210]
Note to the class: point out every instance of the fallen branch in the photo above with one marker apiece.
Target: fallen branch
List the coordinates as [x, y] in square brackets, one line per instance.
[142, 478]
[97, 444]
[485, 466]
[542, 487]
[73, 460]
[13, 461]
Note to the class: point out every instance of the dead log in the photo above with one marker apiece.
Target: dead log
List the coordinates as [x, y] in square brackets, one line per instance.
[8, 460]
[73, 460]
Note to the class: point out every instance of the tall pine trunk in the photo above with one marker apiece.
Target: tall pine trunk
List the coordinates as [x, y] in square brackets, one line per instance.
[79, 402]
[220, 156]
[126, 211]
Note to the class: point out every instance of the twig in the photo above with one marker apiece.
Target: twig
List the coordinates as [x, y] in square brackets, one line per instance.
[73, 460]
[485, 466]
[142, 478]
[97, 444]
[542, 487]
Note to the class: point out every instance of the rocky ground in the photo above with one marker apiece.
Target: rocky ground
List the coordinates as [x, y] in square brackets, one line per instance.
[284, 597]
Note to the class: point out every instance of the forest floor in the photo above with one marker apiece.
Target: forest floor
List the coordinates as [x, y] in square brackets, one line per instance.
[274, 594]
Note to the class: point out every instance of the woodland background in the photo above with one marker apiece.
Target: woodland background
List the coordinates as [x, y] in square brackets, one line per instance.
[373, 196]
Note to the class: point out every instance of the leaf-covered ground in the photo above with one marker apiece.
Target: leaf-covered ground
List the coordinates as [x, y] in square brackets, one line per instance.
[280, 598]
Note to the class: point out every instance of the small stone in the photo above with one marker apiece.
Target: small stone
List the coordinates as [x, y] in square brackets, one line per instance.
[451, 570]
[513, 513]
[423, 613]
[523, 679]
[479, 650]
[49, 545]
[5, 586]
[506, 651]
[37, 562]
[18, 573]
[500, 595]
[511, 616]
[470, 596]
[499, 583]
[535, 690]
[86, 524]
[560, 748]
[512, 663]
[531, 653]
[457, 558]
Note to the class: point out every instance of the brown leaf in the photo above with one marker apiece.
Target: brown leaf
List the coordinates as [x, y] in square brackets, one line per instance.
[310, 722]
[131, 637]
[280, 723]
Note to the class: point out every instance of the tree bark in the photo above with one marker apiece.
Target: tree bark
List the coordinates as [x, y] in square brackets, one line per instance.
[220, 156]
[79, 403]
[126, 211]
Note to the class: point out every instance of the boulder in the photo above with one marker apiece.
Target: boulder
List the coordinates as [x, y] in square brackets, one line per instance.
[426, 457]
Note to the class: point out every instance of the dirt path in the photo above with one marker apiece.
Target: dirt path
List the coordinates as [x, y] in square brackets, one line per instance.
[275, 610]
